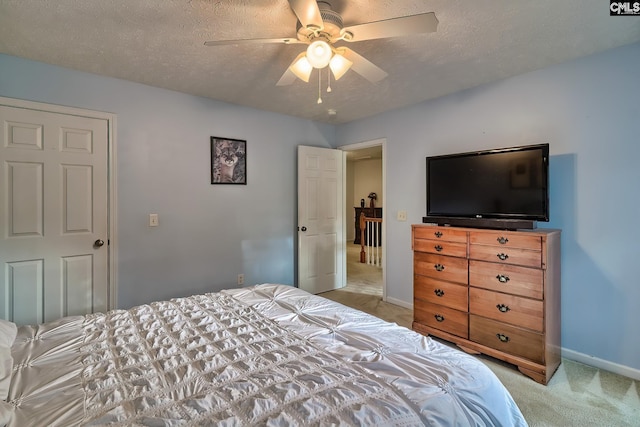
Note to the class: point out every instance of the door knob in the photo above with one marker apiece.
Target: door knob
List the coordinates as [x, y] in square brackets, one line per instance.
[303, 228]
[98, 243]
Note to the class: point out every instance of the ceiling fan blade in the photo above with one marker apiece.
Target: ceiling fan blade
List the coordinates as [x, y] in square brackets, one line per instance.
[363, 66]
[394, 27]
[287, 40]
[307, 12]
[287, 78]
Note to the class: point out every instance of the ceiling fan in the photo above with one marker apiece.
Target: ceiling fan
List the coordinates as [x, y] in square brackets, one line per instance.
[320, 28]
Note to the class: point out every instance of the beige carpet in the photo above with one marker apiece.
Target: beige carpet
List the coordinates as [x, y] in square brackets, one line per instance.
[362, 278]
[577, 395]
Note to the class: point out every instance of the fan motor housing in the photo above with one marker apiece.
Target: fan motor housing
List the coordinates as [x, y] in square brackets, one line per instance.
[332, 22]
[332, 25]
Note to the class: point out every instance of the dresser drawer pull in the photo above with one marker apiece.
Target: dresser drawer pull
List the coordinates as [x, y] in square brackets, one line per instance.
[503, 308]
[438, 234]
[438, 248]
[439, 267]
[439, 292]
[502, 240]
[502, 278]
[502, 256]
[503, 337]
[439, 317]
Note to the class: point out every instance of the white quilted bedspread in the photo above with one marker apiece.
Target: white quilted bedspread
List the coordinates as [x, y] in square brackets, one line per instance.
[265, 355]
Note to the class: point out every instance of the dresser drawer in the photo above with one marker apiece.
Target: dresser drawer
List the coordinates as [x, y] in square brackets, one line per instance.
[523, 281]
[507, 338]
[439, 233]
[441, 267]
[444, 318]
[442, 293]
[517, 311]
[514, 256]
[440, 247]
[505, 239]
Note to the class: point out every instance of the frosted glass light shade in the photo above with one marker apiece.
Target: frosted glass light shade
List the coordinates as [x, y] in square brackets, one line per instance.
[319, 54]
[301, 67]
[339, 65]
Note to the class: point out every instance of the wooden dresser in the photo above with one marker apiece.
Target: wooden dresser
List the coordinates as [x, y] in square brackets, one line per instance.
[491, 291]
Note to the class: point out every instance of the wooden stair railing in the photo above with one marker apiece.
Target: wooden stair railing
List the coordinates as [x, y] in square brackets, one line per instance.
[370, 238]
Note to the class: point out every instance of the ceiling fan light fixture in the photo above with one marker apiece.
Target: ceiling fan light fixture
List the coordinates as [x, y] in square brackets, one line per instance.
[301, 68]
[339, 65]
[319, 54]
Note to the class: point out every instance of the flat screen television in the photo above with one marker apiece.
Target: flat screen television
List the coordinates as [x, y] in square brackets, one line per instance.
[504, 188]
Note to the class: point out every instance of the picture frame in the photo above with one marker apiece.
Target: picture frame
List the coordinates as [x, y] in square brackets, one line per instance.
[228, 161]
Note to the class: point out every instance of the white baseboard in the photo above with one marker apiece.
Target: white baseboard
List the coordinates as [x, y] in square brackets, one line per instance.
[399, 302]
[616, 368]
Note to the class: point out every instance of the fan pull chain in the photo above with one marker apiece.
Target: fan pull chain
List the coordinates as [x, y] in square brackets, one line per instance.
[319, 87]
[328, 79]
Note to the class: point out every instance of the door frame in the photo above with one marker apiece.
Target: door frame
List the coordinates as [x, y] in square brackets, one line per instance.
[357, 146]
[112, 257]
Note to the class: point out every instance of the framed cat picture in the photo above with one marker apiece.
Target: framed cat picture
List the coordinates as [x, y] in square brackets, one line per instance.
[228, 161]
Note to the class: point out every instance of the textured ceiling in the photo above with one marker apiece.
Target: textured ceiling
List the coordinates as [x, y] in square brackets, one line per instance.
[161, 43]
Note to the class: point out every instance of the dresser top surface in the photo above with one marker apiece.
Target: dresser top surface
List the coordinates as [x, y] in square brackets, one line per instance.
[535, 231]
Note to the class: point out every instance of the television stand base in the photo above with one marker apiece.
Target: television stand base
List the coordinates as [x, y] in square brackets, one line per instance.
[495, 223]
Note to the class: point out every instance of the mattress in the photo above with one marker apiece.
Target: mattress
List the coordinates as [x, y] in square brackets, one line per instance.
[263, 355]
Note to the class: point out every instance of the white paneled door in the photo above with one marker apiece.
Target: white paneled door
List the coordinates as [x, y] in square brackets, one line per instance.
[320, 219]
[53, 215]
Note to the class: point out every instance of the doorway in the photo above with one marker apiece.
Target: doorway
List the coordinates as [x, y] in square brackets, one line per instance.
[364, 175]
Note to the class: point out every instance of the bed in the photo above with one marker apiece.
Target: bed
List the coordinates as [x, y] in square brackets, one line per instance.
[263, 355]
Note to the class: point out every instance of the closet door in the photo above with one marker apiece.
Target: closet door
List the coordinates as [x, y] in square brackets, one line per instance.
[53, 215]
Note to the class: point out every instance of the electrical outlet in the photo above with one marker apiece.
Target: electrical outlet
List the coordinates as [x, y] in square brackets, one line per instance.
[240, 279]
[153, 220]
[402, 215]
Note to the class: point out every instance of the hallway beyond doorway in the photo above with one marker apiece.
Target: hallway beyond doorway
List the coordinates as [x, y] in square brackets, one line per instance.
[361, 278]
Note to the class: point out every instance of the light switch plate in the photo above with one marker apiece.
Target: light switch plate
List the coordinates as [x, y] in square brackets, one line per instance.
[402, 215]
[153, 220]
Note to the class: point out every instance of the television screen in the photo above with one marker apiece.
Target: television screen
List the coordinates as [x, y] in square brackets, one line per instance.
[507, 183]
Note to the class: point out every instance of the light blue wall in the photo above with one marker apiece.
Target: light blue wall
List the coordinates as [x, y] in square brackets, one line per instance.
[588, 110]
[208, 233]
